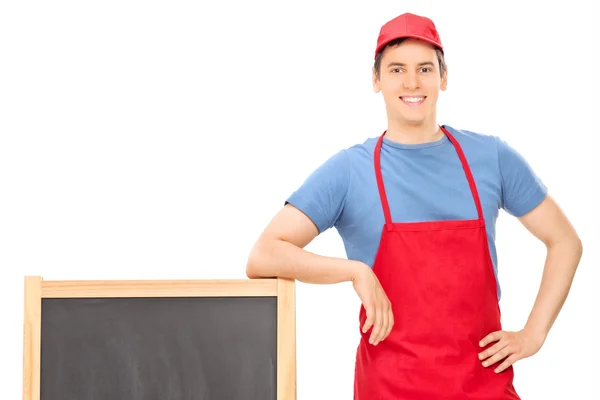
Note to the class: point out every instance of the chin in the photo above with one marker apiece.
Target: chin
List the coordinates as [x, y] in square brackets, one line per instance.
[413, 120]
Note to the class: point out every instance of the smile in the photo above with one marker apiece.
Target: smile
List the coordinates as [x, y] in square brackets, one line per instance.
[413, 101]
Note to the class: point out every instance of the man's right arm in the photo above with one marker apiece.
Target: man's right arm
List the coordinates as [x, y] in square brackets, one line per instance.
[279, 252]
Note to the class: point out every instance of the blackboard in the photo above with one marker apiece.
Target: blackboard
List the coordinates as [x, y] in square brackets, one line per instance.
[159, 340]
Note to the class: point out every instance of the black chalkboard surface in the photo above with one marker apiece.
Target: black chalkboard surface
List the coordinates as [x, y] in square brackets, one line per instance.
[159, 340]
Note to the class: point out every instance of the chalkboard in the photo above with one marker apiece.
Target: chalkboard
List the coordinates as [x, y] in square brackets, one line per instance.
[159, 340]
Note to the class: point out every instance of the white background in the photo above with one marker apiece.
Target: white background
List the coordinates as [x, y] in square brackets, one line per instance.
[155, 140]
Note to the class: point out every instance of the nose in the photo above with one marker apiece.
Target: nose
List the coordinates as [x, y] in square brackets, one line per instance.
[411, 81]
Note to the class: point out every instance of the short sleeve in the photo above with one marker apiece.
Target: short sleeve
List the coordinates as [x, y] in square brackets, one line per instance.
[322, 195]
[522, 189]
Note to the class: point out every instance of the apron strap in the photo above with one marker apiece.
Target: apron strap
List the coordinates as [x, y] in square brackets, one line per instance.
[463, 161]
[467, 170]
[380, 186]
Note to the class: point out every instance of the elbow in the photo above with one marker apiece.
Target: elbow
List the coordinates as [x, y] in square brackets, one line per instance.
[576, 245]
[579, 246]
[255, 263]
[571, 245]
[251, 269]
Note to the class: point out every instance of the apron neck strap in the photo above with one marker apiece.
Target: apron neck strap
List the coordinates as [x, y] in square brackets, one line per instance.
[463, 161]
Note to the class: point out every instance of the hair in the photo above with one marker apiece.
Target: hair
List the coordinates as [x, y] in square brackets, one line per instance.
[396, 42]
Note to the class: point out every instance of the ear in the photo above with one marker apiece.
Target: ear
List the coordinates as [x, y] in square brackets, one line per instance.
[376, 87]
[444, 83]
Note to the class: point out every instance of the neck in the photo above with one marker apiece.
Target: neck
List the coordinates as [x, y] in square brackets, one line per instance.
[406, 133]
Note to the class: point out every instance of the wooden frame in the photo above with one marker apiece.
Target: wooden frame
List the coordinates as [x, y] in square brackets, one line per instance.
[37, 289]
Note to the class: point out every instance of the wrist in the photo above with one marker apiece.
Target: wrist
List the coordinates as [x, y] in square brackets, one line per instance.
[357, 268]
[536, 332]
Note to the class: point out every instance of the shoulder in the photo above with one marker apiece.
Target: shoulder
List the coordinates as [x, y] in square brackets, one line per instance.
[365, 148]
[350, 158]
[521, 188]
[482, 150]
[481, 143]
[473, 139]
[323, 194]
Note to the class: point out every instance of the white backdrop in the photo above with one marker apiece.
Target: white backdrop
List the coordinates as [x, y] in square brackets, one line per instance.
[155, 140]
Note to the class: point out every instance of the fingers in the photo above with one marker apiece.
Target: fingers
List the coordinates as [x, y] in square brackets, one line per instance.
[378, 310]
[370, 318]
[508, 354]
[388, 321]
[492, 337]
[385, 325]
[507, 363]
[509, 349]
[383, 320]
[500, 355]
[378, 326]
[493, 350]
[391, 322]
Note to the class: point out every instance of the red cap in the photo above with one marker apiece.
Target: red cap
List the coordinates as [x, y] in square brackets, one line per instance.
[408, 26]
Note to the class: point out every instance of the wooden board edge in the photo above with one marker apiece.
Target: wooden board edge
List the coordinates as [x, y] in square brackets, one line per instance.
[32, 340]
[286, 339]
[159, 288]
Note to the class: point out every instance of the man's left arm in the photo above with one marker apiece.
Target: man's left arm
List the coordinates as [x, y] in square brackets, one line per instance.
[548, 223]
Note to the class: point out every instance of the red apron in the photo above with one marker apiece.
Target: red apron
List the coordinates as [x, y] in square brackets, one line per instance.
[441, 285]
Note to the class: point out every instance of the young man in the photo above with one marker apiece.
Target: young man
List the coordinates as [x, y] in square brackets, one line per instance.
[416, 209]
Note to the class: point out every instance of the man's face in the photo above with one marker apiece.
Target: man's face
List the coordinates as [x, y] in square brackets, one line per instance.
[410, 81]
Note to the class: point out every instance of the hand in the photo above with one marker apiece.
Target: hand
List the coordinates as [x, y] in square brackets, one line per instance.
[376, 303]
[511, 345]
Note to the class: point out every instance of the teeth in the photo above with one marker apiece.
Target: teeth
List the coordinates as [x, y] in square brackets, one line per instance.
[413, 99]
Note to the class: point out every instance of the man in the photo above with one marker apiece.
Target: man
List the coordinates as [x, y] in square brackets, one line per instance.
[416, 209]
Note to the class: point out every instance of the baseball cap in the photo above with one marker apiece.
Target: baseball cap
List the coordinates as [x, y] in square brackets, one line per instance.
[408, 26]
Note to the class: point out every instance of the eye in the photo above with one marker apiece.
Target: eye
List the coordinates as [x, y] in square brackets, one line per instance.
[395, 70]
[426, 69]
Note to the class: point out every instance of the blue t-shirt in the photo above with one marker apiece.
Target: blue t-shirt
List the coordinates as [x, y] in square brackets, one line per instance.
[424, 182]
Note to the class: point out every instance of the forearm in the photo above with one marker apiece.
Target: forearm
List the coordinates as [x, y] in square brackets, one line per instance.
[560, 266]
[278, 258]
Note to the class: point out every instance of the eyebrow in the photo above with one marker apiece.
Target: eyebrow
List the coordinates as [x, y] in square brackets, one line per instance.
[397, 64]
